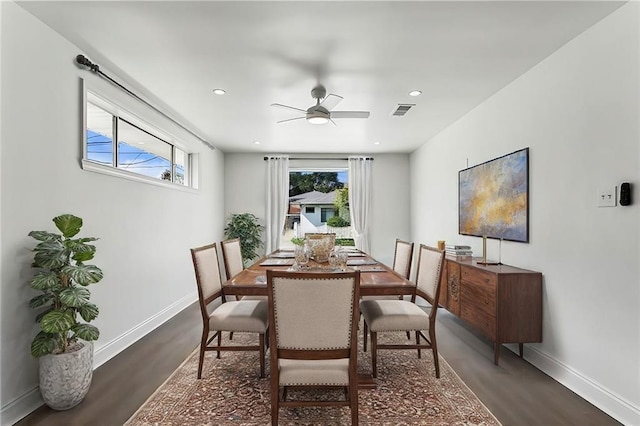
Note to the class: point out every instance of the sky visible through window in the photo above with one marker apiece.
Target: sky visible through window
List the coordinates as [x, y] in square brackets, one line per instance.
[100, 150]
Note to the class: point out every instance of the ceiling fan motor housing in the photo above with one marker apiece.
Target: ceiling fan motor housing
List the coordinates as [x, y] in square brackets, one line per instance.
[318, 92]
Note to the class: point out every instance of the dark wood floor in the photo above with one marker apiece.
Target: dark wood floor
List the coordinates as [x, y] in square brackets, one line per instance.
[515, 391]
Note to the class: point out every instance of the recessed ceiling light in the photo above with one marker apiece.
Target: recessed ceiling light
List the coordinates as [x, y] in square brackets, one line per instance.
[415, 93]
[377, 143]
[219, 91]
[256, 142]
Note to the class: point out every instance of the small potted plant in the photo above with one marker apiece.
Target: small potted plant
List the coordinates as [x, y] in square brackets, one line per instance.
[245, 226]
[64, 345]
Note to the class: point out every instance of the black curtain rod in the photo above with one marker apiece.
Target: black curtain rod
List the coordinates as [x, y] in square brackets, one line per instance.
[82, 60]
[318, 158]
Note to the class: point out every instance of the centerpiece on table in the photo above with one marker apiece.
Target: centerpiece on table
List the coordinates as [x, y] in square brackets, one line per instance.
[320, 246]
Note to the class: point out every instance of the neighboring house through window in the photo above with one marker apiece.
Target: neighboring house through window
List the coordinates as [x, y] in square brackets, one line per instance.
[311, 202]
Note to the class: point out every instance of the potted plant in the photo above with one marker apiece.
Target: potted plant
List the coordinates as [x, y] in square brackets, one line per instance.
[245, 226]
[64, 345]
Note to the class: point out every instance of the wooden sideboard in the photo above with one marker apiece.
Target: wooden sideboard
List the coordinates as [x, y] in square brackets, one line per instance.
[502, 302]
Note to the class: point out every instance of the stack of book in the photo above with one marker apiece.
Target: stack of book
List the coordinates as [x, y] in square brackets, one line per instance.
[459, 251]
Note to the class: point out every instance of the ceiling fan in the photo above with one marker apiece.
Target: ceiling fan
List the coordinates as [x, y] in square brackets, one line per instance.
[321, 112]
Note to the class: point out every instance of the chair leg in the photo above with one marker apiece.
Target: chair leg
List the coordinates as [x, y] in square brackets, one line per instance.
[353, 395]
[374, 353]
[434, 348]
[418, 342]
[364, 335]
[219, 343]
[274, 387]
[261, 355]
[275, 397]
[231, 335]
[408, 335]
[203, 345]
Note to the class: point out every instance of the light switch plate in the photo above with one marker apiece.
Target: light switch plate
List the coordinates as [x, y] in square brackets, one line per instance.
[608, 197]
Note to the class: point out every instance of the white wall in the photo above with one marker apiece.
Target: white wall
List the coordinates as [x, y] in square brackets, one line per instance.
[244, 192]
[578, 112]
[145, 231]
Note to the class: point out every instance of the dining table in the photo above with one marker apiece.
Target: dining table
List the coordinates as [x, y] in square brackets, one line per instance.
[376, 279]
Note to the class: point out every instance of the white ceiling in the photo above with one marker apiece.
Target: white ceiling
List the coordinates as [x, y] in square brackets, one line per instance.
[371, 53]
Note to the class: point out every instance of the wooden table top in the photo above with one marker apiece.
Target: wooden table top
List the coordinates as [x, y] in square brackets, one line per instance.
[376, 279]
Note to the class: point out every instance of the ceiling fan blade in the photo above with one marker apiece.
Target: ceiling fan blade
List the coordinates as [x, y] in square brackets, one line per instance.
[288, 107]
[330, 101]
[349, 114]
[290, 119]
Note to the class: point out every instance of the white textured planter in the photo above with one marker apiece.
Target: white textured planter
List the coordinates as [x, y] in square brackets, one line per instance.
[65, 378]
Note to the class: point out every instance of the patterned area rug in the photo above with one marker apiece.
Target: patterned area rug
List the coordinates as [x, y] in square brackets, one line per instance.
[231, 393]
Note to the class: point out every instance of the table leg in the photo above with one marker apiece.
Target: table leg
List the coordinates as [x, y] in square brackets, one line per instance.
[366, 381]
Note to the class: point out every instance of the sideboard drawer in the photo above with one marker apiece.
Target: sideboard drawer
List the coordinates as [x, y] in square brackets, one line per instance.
[478, 277]
[480, 319]
[479, 296]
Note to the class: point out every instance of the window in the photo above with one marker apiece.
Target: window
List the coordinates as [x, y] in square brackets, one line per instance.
[141, 151]
[314, 193]
[325, 214]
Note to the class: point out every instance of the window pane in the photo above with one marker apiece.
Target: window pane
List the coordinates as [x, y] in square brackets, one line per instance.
[142, 153]
[325, 213]
[180, 167]
[99, 135]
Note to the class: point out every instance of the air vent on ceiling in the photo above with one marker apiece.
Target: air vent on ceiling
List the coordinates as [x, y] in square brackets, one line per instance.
[402, 109]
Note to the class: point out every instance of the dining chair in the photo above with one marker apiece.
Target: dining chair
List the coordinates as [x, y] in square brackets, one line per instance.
[313, 322]
[402, 258]
[233, 264]
[403, 315]
[218, 315]
[232, 256]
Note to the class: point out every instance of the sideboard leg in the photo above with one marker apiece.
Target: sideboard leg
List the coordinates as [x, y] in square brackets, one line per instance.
[496, 352]
[521, 348]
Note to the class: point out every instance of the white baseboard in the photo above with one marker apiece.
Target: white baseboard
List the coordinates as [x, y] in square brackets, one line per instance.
[20, 407]
[32, 400]
[107, 351]
[614, 405]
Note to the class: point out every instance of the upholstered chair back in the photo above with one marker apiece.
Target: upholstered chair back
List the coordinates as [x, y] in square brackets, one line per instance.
[207, 268]
[232, 254]
[430, 262]
[402, 258]
[314, 311]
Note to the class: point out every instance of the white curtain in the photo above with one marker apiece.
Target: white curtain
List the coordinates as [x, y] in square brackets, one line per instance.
[277, 199]
[360, 200]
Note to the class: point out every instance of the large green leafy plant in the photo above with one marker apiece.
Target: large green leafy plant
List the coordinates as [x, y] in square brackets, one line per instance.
[245, 226]
[62, 282]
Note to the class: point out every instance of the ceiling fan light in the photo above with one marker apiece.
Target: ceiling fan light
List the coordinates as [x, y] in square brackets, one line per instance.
[317, 120]
[317, 116]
